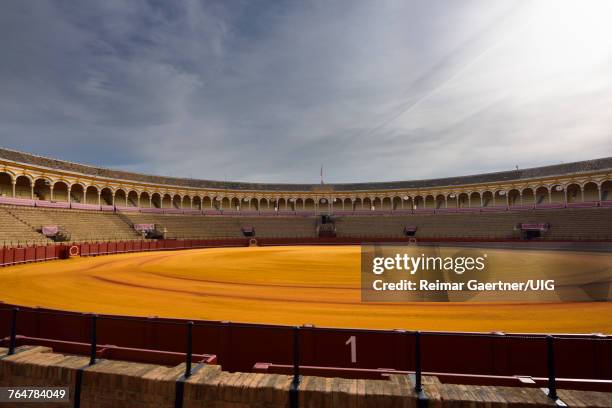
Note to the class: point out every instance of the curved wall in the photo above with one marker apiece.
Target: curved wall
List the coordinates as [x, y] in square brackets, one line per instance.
[28, 176]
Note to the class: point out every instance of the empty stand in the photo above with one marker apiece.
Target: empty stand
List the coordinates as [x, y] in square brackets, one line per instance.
[565, 224]
[197, 226]
[14, 231]
[78, 225]
[19, 224]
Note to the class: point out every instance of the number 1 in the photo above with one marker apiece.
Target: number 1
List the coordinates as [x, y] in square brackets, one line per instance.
[353, 342]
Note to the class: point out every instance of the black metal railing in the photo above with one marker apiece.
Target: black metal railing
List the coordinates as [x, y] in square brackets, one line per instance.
[296, 333]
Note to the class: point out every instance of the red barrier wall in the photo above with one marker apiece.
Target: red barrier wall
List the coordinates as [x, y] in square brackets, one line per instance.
[239, 346]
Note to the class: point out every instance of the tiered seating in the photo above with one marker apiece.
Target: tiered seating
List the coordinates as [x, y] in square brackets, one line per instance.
[568, 224]
[14, 232]
[21, 223]
[197, 226]
[79, 225]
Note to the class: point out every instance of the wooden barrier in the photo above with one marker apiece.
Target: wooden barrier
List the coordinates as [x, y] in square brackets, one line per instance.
[239, 347]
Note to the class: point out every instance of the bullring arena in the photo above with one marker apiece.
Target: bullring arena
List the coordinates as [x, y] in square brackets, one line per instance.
[291, 285]
[258, 285]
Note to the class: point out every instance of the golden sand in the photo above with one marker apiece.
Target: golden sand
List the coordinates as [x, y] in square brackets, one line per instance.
[284, 285]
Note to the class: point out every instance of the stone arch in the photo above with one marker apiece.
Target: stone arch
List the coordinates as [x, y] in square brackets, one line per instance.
[176, 201]
[396, 203]
[120, 198]
[590, 191]
[42, 189]
[197, 203]
[574, 193]
[451, 200]
[337, 204]
[145, 200]
[77, 193]
[166, 201]
[475, 199]
[23, 187]
[606, 190]
[225, 204]
[91, 195]
[463, 200]
[186, 202]
[61, 191]
[557, 194]
[500, 198]
[309, 204]
[408, 202]
[487, 198]
[387, 204]
[133, 199]
[156, 200]
[264, 204]
[440, 201]
[234, 204]
[254, 204]
[6, 184]
[357, 204]
[514, 198]
[419, 202]
[207, 203]
[542, 195]
[430, 201]
[528, 196]
[367, 204]
[106, 196]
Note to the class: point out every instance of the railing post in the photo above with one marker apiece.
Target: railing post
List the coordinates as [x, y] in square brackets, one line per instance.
[418, 385]
[552, 381]
[94, 339]
[295, 383]
[13, 340]
[189, 349]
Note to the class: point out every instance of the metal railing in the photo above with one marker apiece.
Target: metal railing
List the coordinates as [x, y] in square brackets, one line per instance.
[296, 334]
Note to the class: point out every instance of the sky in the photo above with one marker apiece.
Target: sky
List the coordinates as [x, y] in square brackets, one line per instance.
[270, 91]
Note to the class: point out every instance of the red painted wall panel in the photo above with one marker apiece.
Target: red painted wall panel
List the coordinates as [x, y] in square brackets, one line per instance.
[30, 254]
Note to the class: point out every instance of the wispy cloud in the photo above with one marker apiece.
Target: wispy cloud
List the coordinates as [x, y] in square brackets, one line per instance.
[267, 91]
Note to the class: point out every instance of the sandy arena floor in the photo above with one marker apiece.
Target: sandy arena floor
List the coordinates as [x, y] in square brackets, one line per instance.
[286, 285]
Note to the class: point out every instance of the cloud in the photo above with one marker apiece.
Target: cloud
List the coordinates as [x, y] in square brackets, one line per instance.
[261, 91]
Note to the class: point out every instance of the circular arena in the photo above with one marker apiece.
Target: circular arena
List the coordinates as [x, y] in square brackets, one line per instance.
[290, 285]
[266, 276]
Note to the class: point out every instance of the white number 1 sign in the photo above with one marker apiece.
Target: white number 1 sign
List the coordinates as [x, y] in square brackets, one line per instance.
[353, 342]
